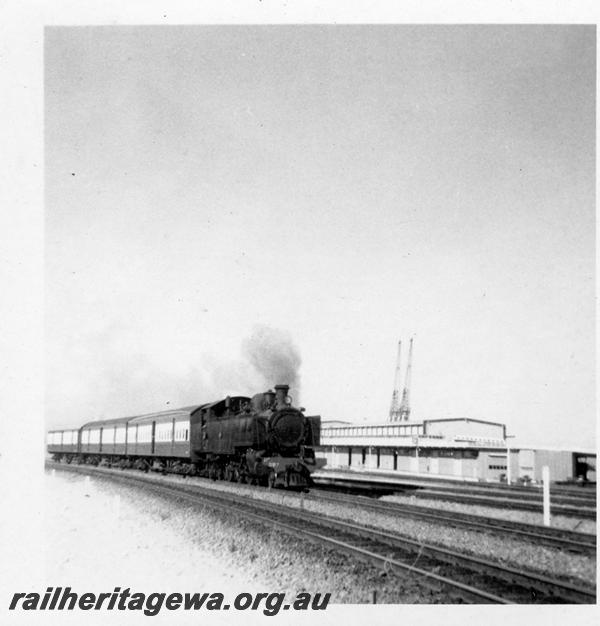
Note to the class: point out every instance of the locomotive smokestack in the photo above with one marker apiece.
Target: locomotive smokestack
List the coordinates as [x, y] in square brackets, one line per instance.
[281, 393]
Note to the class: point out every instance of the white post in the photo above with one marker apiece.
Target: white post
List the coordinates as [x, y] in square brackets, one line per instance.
[546, 480]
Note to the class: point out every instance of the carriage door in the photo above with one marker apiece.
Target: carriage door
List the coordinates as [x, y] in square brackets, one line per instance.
[153, 434]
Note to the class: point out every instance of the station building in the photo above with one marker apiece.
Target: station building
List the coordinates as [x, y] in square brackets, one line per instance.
[458, 448]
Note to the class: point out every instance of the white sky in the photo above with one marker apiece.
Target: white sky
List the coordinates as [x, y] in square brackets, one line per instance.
[346, 185]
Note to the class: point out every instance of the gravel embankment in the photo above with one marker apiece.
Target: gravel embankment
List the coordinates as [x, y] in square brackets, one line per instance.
[99, 536]
[105, 535]
[503, 550]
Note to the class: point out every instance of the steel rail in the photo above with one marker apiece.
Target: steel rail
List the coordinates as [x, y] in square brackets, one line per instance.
[296, 526]
[535, 497]
[464, 491]
[540, 535]
[202, 496]
[453, 495]
[525, 579]
[516, 582]
[555, 509]
[427, 482]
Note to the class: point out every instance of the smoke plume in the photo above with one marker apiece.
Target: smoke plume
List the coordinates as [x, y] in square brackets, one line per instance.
[274, 356]
[123, 377]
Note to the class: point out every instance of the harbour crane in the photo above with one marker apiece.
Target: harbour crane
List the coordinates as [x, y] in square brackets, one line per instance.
[395, 406]
[405, 404]
[400, 408]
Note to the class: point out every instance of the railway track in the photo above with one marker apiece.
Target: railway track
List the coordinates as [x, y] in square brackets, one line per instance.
[524, 496]
[507, 503]
[583, 495]
[567, 505]
[464, 577]
[571, 541]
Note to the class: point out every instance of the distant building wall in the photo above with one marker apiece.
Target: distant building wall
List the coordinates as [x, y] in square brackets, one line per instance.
[563, 464]
[526, 464]
[560, 462]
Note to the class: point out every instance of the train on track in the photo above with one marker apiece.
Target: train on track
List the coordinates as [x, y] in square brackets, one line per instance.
[261, 439]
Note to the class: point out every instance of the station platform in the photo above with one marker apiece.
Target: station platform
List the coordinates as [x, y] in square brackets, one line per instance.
[381, 478]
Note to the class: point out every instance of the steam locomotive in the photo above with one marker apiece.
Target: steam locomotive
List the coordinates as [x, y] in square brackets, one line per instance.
[262, 440]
